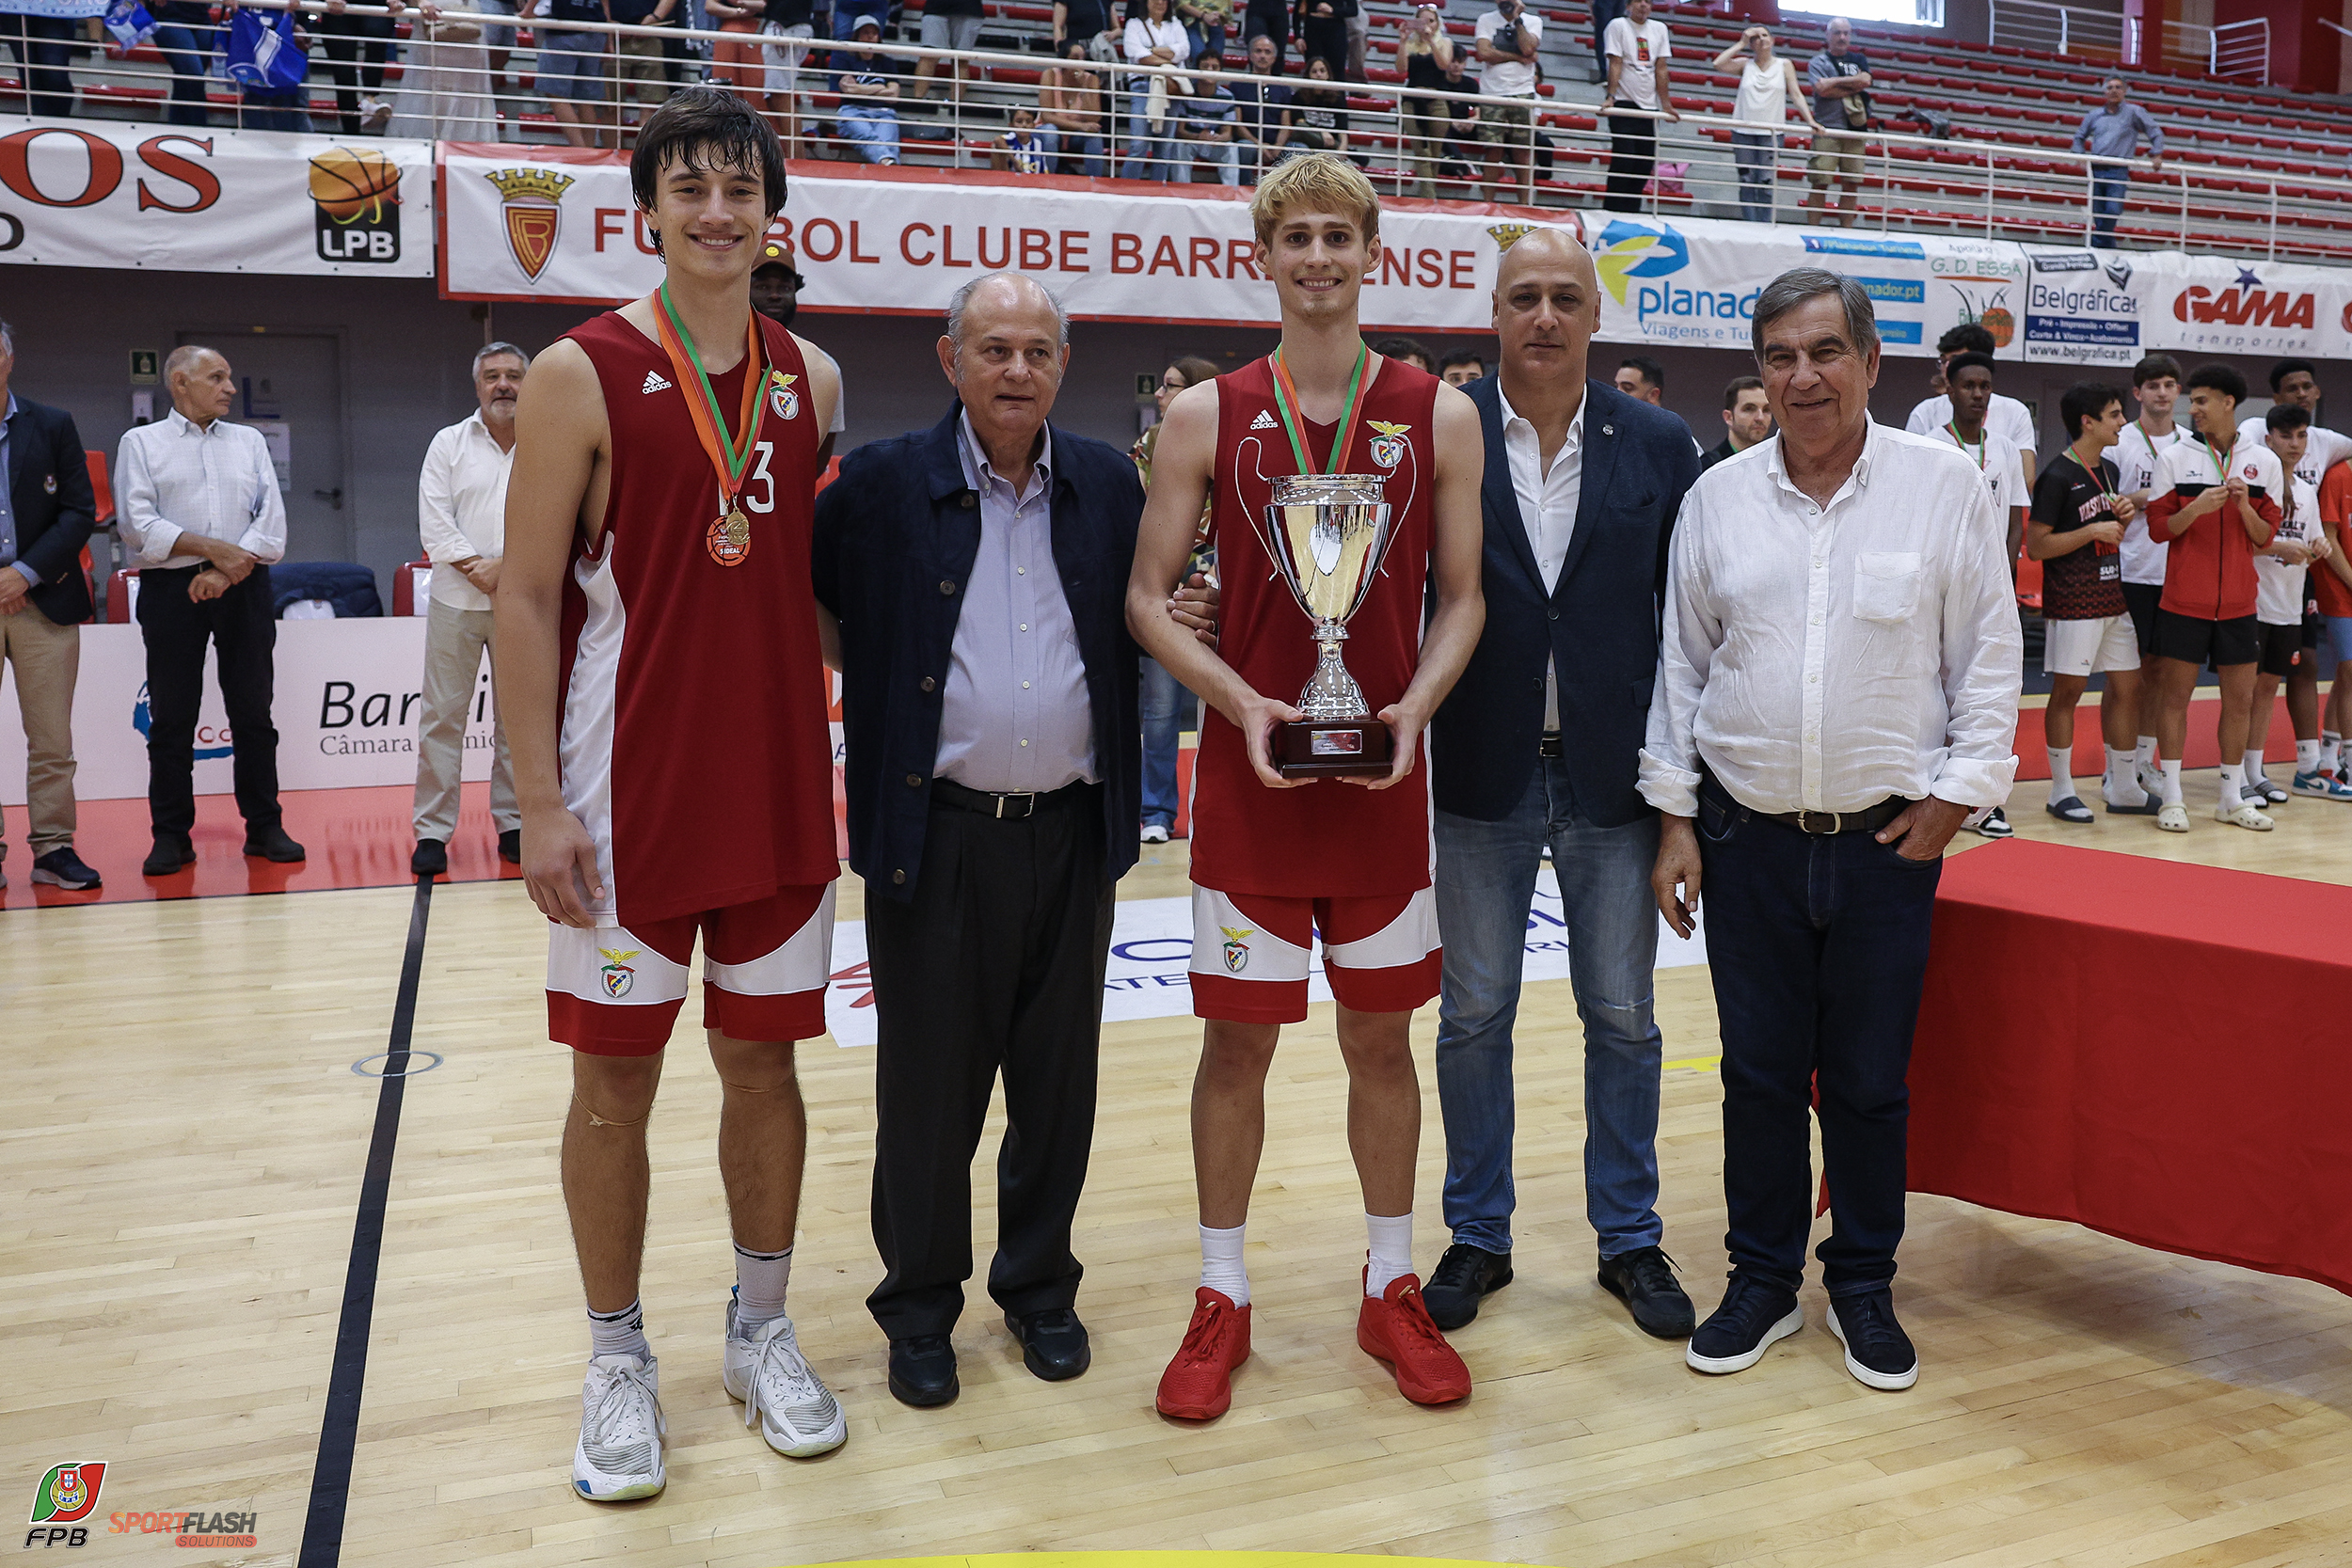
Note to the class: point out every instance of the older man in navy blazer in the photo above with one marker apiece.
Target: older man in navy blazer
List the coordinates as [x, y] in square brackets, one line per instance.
[1537, 748]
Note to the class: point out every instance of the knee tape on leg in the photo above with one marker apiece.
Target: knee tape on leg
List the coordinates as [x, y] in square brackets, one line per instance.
[596, 1121]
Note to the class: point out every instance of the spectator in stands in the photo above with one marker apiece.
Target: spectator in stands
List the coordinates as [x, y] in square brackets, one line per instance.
[1322, 29]
[1259, 120]
[1637, 52]
[2115, 130]
[1078, 22]
[641, 62]
[186, 39]
[498, 41]
[1205, 123]
[1462, 366]
[2009, 418]
[1164, 703]
[1267, 19]
[1024, 148]
[1412, 351]
[2216, 500]
[275, 108]
[43, 52]
[1839, 79]
[1505, 43]
[789, 27]
[1768, 90]
[1315, 118]
[950, 24]
[572, 68]
[1206, 23]
[461, 521]
[1069, 99]
[445, 91]
[1152, 38]
[738, 61]
[1747, 420]
[1423, 54]
[357, 48]
[868, 84]
[47, 511]
[1604, 12]
[848, 14]
[1465, 133]
[198, 504]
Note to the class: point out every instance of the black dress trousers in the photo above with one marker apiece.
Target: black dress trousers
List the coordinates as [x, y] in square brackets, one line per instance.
[242, 626]
[996, 964]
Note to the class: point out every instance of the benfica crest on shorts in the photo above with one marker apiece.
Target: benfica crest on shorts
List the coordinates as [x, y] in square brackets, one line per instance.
[618, 976]
[1387, 447]
[783, 399]
[1237, 948]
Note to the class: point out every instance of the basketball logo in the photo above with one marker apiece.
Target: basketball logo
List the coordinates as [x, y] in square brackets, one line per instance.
[357, 191]
[1387, 447]
[1237, 948]
[618, 976]
[783, 399]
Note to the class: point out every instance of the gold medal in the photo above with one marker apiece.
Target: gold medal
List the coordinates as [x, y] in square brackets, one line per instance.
[729, 540]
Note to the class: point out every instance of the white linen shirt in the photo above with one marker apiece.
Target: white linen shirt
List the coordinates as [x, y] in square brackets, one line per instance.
[1548, 503]
[2137, 457]
[174, 477]
[461, 507]
[1822, 659]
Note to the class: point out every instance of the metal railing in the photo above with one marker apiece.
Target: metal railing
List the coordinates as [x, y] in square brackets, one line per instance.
[452, 75]
[2233, 51]
[2059, 29]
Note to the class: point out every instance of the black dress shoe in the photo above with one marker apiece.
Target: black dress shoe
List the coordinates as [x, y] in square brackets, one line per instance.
[171, 853]
[1463, 1276]
[272, 844]
[1644, 1279]
[510, 846]
[923, 1370]
[64, 868]
[431, 859]
[1052, 1342]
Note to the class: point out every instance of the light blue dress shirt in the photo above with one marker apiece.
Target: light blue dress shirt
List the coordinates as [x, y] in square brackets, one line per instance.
[8, 506]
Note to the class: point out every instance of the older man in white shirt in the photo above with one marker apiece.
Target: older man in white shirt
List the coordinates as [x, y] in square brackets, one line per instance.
[196, 503]
[1838, 692]
[461, 519]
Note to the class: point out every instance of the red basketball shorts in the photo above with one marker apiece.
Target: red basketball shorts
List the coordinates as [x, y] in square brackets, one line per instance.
[1249, 952]
[615, 991]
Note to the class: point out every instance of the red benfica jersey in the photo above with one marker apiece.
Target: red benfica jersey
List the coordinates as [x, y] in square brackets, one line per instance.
[1328, 839]
[693, 745]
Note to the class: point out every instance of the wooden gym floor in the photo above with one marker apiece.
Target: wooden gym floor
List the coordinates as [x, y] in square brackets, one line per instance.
[181, 1160]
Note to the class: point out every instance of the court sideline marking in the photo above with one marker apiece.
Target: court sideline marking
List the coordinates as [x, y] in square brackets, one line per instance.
[338, 1430]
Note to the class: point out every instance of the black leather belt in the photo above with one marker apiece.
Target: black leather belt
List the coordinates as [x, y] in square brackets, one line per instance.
[1009, 806]
[1548, 744]
[1821, 824]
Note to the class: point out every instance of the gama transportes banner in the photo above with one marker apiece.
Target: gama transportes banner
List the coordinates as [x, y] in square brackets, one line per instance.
[113, 194]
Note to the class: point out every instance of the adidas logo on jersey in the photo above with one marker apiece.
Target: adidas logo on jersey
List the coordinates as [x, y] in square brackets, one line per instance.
[1264, 421]
[655, 382]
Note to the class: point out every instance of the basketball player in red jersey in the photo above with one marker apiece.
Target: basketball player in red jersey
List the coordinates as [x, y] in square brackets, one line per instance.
[659, 667]
[1273, 860]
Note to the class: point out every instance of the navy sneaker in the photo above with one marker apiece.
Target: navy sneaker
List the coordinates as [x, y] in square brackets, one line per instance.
[1877, 1352]
[1751, 1318]
[1465, 1276]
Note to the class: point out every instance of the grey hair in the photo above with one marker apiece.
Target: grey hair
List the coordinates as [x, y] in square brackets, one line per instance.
[499, 351]
[185, 358]
[963, 297]
[1797, 285]
[7, 339]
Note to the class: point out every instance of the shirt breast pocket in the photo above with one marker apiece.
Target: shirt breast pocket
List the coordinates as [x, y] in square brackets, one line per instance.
[1887, 586]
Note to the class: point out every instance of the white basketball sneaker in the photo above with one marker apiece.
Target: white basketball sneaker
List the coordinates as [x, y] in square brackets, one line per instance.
[621, 1429]
[781, 1396]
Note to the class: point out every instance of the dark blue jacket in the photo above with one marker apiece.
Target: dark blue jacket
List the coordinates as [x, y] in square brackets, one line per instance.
[896, 535]
[48, 490]
[1599, 622]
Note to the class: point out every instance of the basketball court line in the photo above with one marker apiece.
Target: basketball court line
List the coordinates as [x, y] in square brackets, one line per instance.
[339, 1426]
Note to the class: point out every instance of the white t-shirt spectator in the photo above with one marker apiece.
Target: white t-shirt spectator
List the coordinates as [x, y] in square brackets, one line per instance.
[1509, 78]
[1998, 460]
[2279, 587]
[1640, 49]
[2323, 451]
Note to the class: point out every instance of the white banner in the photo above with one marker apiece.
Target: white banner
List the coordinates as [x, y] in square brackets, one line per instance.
[2218, 306]
[347, 701]
[2092, 307]
[113, 194]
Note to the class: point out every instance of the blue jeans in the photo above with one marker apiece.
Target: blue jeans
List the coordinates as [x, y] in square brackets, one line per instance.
[1818, 949]
[846, 14]
[1485, 898]
[1754, 152]
[1082, 154]
[1218, 155]
[1165, 704]
[289, 110]
[2107, 186]
[1205, 41]
[1149, 157]
[874, 129]
[43, 57]
[184, 50]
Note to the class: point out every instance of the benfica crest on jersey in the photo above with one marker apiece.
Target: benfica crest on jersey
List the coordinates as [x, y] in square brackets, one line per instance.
[783, 399]
[1387, 447]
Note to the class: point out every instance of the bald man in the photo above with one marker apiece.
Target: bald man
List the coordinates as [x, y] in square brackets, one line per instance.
[1537, 748]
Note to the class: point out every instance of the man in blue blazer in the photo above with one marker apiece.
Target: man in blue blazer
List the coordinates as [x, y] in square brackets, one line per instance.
[1537, 748]
[47, 510]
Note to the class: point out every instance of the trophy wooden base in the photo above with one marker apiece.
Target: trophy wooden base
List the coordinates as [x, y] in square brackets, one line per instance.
[1333, 749]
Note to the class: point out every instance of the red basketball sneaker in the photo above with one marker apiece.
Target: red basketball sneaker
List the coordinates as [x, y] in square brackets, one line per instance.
[1395, 1329]
[1199, 1384]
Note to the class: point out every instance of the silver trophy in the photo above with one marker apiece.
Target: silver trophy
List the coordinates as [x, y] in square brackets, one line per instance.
[1327, 535]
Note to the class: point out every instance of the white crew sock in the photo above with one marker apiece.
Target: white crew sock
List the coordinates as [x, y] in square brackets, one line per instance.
[2171, 780]
[2251, 770]
[760, 1278]
[2330, 751]
[621, 1333]
[2061, 773]
[2122, 783]
[1220, 1263]
[2229, 797]
[1392, 1246]
[2306, 756]
[2146, 755]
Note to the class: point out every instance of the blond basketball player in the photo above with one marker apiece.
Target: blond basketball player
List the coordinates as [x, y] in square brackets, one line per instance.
[659, 669]
[1276, 860]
